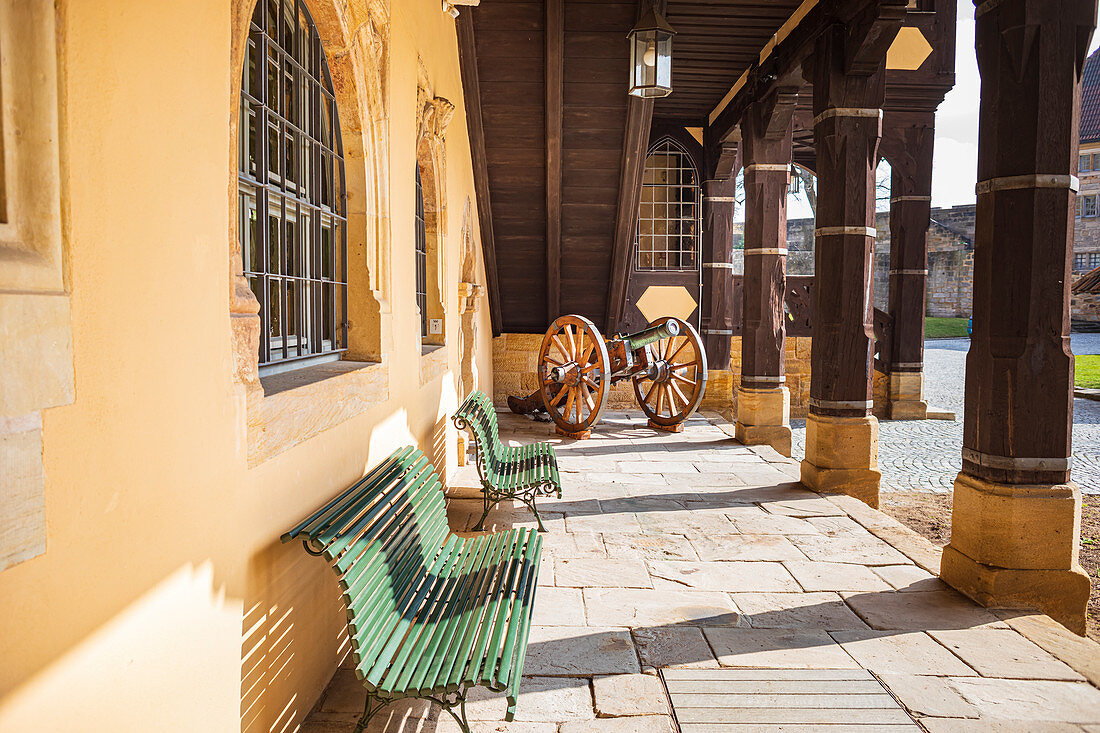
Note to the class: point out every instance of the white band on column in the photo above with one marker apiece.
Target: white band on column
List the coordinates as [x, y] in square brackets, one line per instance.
[896, 199]
[765, 251]
[720, 199]
[718, 331]
[1038, 180]
[849, 112]
[719, 265]
[861, 231]
[1017, 464]
[841, 404]
[908, 272]
[784, 167]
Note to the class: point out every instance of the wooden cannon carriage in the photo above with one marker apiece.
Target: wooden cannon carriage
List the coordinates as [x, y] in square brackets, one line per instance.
[577, 367]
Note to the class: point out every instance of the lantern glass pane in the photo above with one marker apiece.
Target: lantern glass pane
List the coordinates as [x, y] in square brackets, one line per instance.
[664, 61]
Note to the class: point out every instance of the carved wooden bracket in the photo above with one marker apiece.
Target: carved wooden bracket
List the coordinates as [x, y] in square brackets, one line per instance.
[870, 34]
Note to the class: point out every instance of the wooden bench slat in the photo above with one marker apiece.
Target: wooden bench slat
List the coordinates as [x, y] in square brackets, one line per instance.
[421, 669]
[322, 517]
[428, 612]
[443, 628]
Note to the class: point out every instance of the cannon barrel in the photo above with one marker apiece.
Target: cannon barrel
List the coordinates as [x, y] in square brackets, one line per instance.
[649, 335]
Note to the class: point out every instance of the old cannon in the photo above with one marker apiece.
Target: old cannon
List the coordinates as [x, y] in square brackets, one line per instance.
[577, 366]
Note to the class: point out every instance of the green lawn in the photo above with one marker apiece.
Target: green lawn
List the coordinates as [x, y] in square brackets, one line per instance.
[1087, 370]
[944, 328]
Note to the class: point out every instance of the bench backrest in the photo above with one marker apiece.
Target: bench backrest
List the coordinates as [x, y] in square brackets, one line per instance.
[477, 414]
[382, 533]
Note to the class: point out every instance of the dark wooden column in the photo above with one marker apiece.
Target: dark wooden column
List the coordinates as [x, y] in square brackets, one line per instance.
[723, 159]
[910, 154]
[763, 402]
[847, 69]
[1015, 521]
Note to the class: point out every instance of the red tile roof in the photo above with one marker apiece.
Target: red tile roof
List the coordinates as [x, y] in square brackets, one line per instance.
[1090, 99]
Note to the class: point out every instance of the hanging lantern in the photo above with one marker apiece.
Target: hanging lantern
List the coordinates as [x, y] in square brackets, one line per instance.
[651, 56]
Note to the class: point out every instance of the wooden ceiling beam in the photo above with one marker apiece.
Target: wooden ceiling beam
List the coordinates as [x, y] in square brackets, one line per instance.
[471, 94]
[785, 59]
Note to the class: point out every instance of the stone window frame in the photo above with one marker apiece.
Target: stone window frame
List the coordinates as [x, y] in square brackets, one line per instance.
[1090, 207]
[36, 352]
[307, 291]
[282, 410]
[434, 114]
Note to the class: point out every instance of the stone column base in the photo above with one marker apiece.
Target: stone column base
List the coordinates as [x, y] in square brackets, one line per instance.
[905, 396]
[1017, 546]
[764, 417]
[842, 456]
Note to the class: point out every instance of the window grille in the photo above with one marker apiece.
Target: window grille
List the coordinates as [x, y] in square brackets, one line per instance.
[293, 226]
[1084, 164]
[1094, 260]
[1090, 205]
[421, 256]
[669, 218]
[1079, 262]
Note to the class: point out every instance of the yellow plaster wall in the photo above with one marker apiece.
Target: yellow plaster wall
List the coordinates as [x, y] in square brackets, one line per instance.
[164, 600]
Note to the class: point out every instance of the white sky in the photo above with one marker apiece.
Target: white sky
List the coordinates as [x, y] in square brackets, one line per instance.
[955, 161]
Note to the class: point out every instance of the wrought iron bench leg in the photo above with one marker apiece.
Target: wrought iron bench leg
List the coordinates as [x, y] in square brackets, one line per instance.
[448, 702]
[487, 503]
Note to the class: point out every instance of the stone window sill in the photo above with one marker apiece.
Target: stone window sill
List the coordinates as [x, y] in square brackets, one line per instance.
[300, 404]
[433, 362]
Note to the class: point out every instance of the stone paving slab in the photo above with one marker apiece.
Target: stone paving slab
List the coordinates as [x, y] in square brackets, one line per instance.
[796, 611]
[738, 569]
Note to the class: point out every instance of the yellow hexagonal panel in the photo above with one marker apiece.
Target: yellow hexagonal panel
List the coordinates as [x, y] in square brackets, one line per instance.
[908, 51]
[666, 300]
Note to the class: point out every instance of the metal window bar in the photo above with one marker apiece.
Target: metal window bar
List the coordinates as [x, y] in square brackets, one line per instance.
[421, 256]
[669, 218]
[293, 224]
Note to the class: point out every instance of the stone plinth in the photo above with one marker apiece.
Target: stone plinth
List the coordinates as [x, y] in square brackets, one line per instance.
[1016, 545]
[763, 417]
[842, 456]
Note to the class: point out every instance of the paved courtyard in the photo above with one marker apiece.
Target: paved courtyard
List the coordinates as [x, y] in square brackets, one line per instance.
[924, 455]
[691, 568]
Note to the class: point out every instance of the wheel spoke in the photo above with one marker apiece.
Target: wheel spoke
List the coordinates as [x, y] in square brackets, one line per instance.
[660, 398]
[561, 347]
[590, 383]
[552, 360]
[650, 392]
[675, 392]
[558, 397]
[569, 402]
[684, 379]
[677, 352]
[588, 401]
[572, 342]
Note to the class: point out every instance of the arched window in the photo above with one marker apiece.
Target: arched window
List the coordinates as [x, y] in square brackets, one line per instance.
[421, 256]
[293, 229]
[669, 219]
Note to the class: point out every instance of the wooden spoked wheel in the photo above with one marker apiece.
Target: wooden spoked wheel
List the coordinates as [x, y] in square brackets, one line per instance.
[670, 388]
[574, 374]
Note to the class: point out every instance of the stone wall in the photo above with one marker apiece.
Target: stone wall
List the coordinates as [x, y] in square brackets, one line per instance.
[1086, 307]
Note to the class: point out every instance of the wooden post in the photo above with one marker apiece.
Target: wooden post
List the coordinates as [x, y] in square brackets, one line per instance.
[1016, 519]
[555, 79]
[847, 68]
[719, 206]
[910, 156]
[763, 401]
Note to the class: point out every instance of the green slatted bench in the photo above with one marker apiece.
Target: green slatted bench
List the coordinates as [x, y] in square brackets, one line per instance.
[507, 472]
[430, 614]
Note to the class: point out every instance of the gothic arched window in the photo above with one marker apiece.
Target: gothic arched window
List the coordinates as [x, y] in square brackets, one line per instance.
[293, 226]
[669, 219]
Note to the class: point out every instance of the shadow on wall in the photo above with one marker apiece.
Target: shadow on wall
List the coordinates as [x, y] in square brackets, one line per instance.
[299, 608]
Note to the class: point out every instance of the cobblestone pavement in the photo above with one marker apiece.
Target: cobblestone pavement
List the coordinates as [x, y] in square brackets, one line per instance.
[924, 455]
[697, 556]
